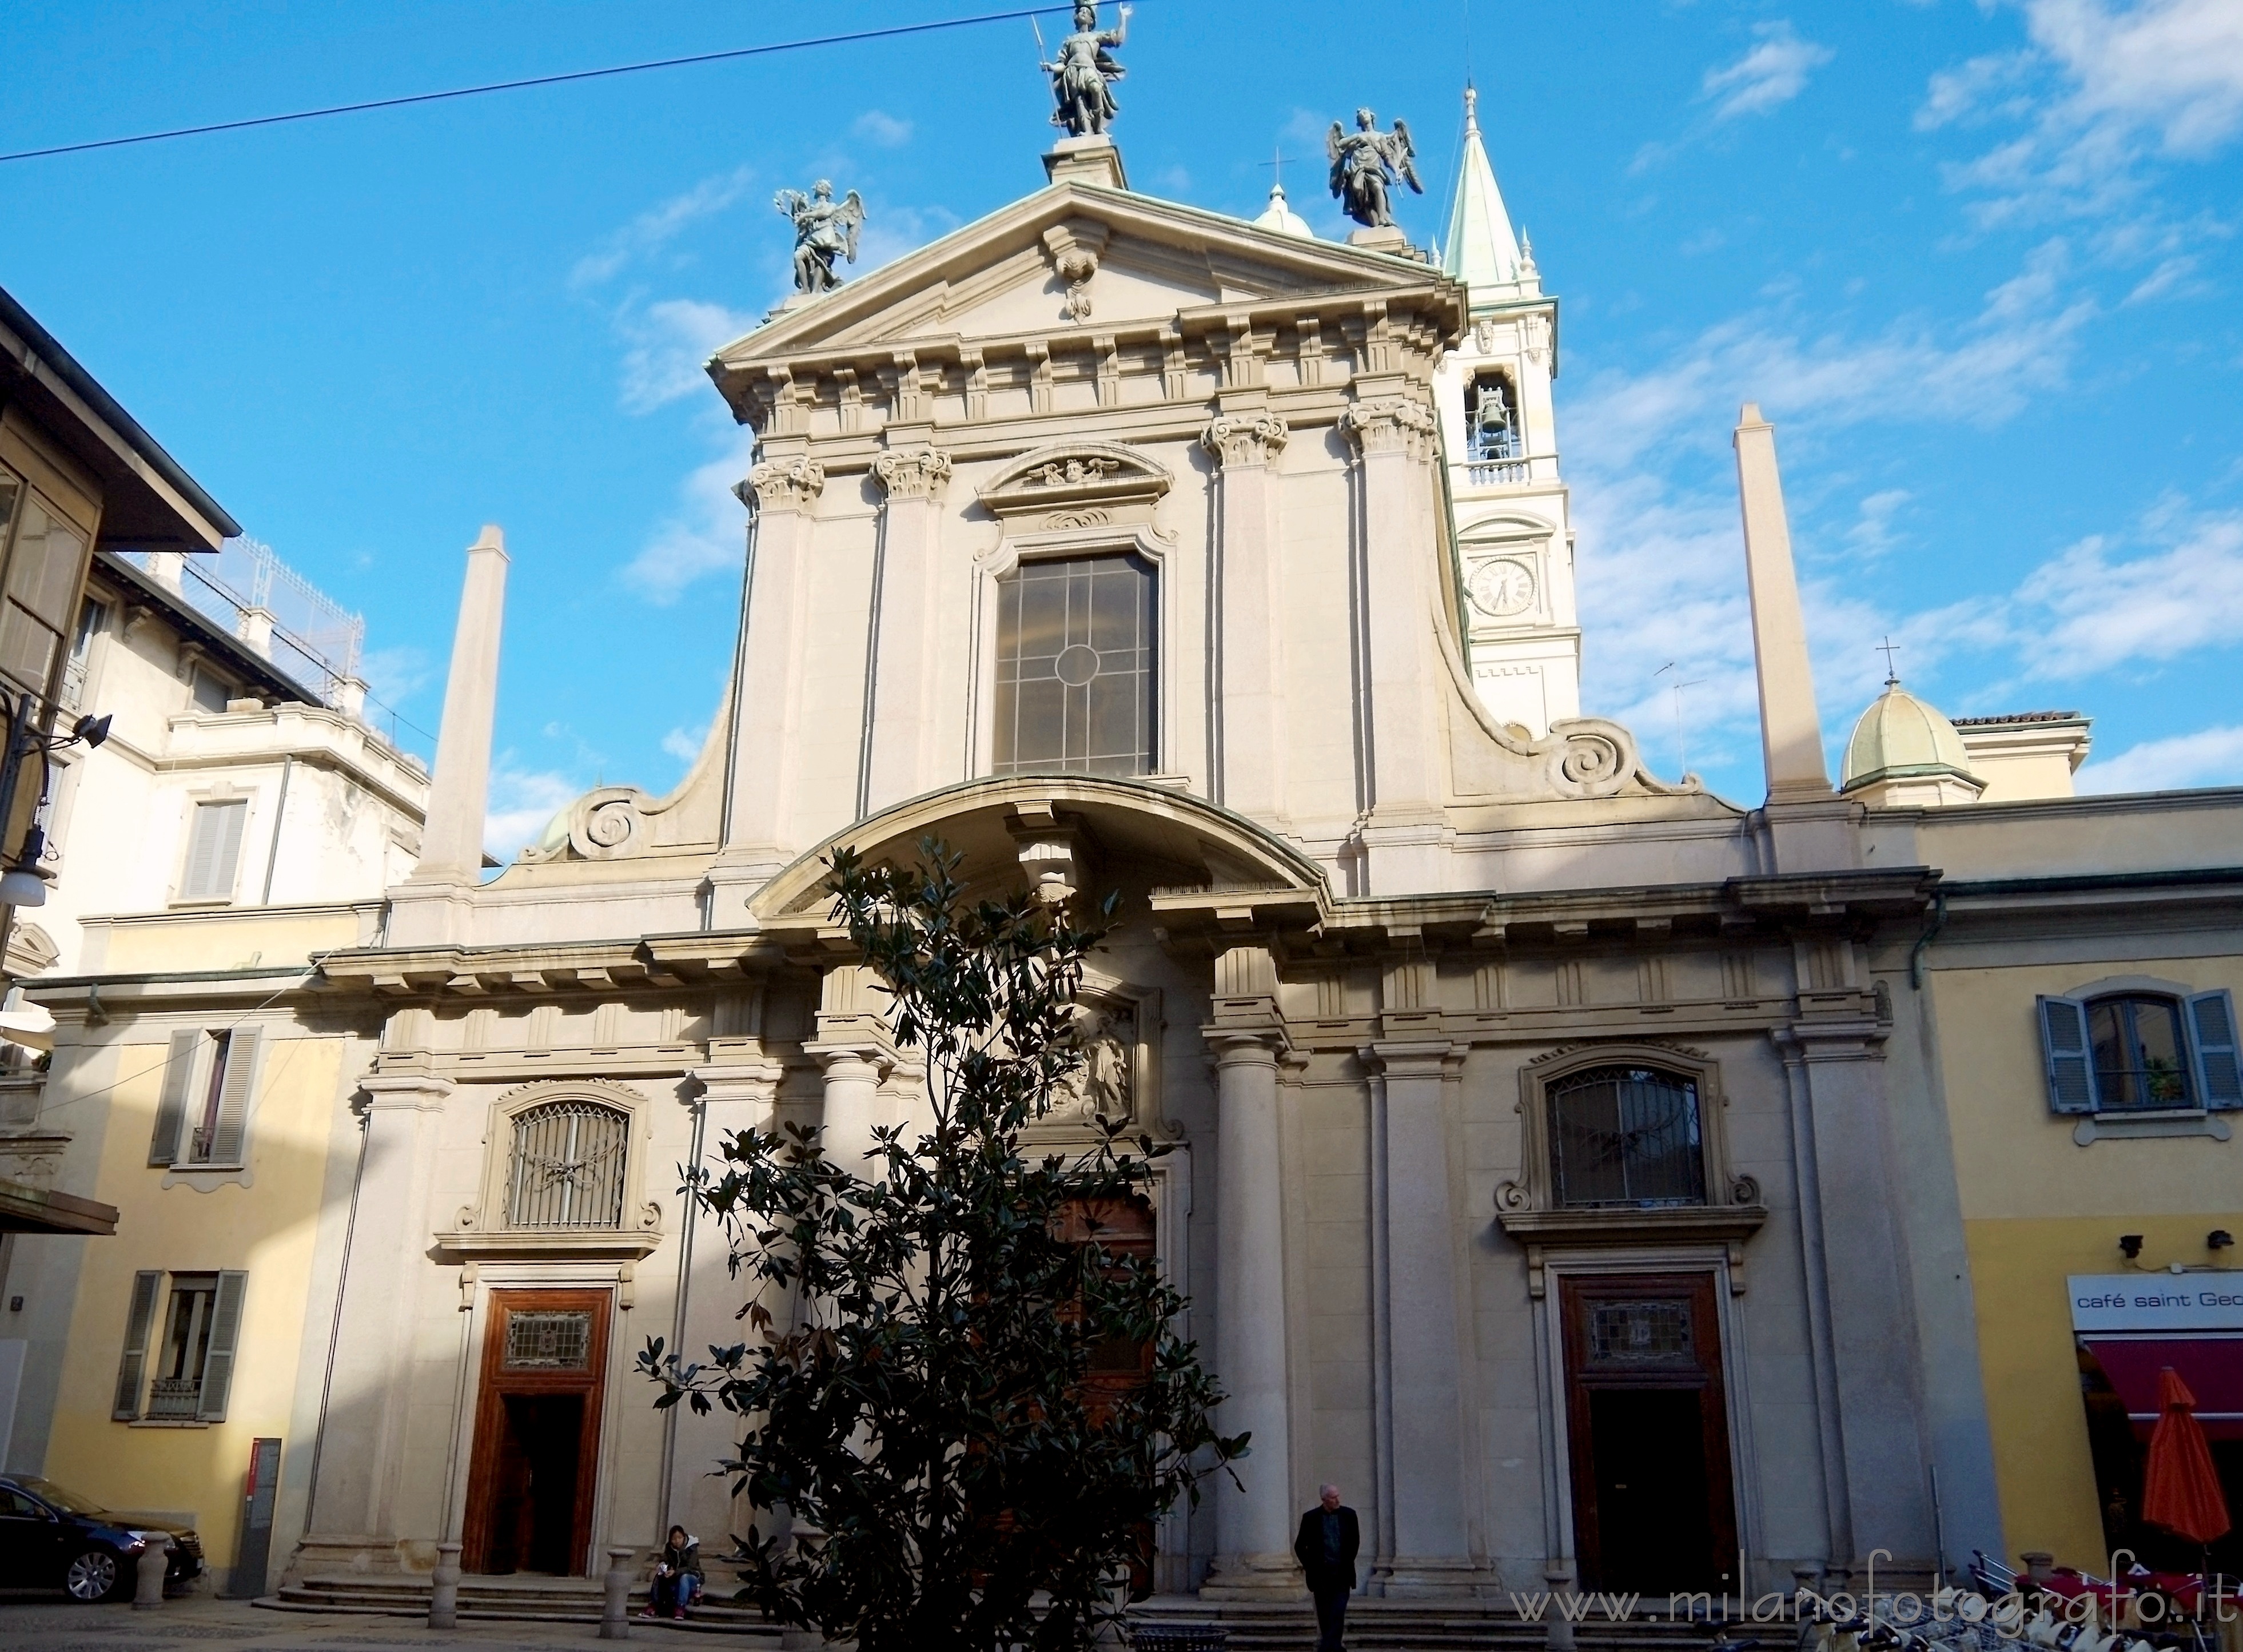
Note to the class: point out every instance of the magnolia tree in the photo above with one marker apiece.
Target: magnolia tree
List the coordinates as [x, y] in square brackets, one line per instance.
[927, 1465]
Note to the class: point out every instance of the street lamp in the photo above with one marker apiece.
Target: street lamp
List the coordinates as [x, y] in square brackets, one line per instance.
[21, 883]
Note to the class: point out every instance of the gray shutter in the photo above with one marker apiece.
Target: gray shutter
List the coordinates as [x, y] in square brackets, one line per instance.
[242, 1047]
[2070, 1062]
[2212, 1031]
[172, 1102]
[134, 1366]
[226, 1330]
[213, 850]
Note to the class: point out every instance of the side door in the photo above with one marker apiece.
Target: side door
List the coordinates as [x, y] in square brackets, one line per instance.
[30, 1543]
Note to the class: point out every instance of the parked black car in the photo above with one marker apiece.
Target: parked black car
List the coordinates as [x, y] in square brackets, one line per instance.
[52, 1539]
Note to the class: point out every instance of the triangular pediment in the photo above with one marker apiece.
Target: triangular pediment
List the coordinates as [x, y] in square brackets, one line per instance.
[1072, 257]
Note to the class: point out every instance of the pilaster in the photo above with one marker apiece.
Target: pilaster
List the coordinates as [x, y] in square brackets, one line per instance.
[1426, 1421]
[900, 755]
[1250, 735]
[1254, 1521]
[766, 709]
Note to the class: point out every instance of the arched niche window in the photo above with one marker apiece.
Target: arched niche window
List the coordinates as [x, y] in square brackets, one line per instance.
[1492, 419]
[1625, 1135]
[1074, 667]
[565, 1166]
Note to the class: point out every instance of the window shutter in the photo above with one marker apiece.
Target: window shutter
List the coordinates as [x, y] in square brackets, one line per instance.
[226, 1330]
[242, 1047]
[171, 1104]
[2212, 1030]
[213, 848]
[134, 1365]
[2071, 1065]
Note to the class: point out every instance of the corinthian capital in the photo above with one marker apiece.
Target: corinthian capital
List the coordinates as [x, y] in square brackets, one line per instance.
[1389, 424]
[785, 484]
[1252, 440]
[913, 473]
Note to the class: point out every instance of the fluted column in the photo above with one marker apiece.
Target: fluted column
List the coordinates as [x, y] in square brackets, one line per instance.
[767, 706]
[1254, 1527]
[900, 754]
[1393, 437]
[1249, 766]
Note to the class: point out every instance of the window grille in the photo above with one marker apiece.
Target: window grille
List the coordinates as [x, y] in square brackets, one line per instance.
[566, 1166]
[1074, 667]
[1627, 1136]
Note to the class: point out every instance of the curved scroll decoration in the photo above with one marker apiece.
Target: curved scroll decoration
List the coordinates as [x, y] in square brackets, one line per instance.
[607, 824]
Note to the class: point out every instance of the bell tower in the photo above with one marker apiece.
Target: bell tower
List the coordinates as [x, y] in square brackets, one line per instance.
[1507, 505]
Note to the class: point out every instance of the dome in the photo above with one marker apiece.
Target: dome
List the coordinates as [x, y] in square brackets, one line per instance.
[1900, 738]
[1281, 218]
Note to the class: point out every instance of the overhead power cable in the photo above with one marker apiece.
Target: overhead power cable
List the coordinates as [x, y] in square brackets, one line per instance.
[892, 32]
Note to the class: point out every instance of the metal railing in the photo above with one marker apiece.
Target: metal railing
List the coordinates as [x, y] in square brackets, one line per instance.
[174, 1397]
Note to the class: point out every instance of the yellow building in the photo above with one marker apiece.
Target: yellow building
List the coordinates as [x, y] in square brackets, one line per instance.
[2079, 979]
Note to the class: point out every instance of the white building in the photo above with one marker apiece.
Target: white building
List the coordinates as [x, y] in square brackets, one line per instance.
[1559, 1165]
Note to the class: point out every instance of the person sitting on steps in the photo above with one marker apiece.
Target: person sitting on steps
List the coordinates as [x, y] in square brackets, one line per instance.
[677, 1576]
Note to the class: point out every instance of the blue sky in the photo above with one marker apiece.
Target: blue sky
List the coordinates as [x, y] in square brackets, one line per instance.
[1978, 261]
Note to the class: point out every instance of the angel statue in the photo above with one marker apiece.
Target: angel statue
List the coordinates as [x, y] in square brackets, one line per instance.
[1082, 78]
[1366, 162]
[824, 231]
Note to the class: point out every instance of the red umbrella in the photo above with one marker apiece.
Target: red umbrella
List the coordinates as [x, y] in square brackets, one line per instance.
[2180, 1488]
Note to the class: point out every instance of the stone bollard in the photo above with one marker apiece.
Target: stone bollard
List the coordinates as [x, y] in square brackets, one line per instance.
[1559, 1576]
[148, 1581]
[2039, 1564]
[444, 1588]
[615, 1608]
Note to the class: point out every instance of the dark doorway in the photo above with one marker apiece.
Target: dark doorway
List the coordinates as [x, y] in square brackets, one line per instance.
[537, 1447]
[1646, 1411]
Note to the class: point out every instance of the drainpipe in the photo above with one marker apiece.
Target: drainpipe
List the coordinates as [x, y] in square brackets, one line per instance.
[677, 1320]
[279, 809]
[1923, 941]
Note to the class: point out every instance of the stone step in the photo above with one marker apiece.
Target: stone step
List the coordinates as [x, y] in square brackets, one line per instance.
[551, 1599]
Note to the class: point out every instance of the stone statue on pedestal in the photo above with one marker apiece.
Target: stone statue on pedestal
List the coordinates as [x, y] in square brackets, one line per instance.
[1082, 77]
[824, 231]
[1366, 164]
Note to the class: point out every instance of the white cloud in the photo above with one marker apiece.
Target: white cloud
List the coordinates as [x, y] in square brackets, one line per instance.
[521, 801]
[670, 342]
[878, 126]
[685, 744]
[2100, 89]
[2170, 278]
[1872, 535]
[2020, 342]
[1768, 77]
[2209, 757]
[707, 535]
[2085, 611]
[2174, 66]
[653, 229]
[393, 675]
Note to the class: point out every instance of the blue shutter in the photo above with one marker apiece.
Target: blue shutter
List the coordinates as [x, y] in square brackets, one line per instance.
[133, 1366]
[171, 1100]
[233, 1096]
[2070, 1062]
[2212, 1034]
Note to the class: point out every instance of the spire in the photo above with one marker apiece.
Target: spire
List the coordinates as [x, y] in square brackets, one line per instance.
[1282, 218]
[1481, 249]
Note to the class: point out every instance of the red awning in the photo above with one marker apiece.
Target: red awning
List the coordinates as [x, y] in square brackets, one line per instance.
[2212, 1365]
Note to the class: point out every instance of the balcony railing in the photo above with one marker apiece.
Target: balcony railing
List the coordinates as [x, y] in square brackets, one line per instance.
[1512, 469]
[175, 1399]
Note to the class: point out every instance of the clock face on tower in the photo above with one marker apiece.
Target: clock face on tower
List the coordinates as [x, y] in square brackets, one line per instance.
[1502, 588]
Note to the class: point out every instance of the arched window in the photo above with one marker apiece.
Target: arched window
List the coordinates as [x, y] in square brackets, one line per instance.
[1074, 667]
[565, 1167]
[2141, 1058]
[1491, 419]
[1625, 1135]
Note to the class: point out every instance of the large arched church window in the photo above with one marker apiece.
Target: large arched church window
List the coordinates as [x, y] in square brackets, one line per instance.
[1627, 1136]
[565, 1166]
[1074, 667]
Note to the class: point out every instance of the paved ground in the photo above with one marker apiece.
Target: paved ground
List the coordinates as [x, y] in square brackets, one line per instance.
[199, 1624]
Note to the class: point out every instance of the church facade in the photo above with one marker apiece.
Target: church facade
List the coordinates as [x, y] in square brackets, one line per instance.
[1563, 1160]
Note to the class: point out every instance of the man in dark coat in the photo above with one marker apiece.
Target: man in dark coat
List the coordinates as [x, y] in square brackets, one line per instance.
[1330, 1537]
